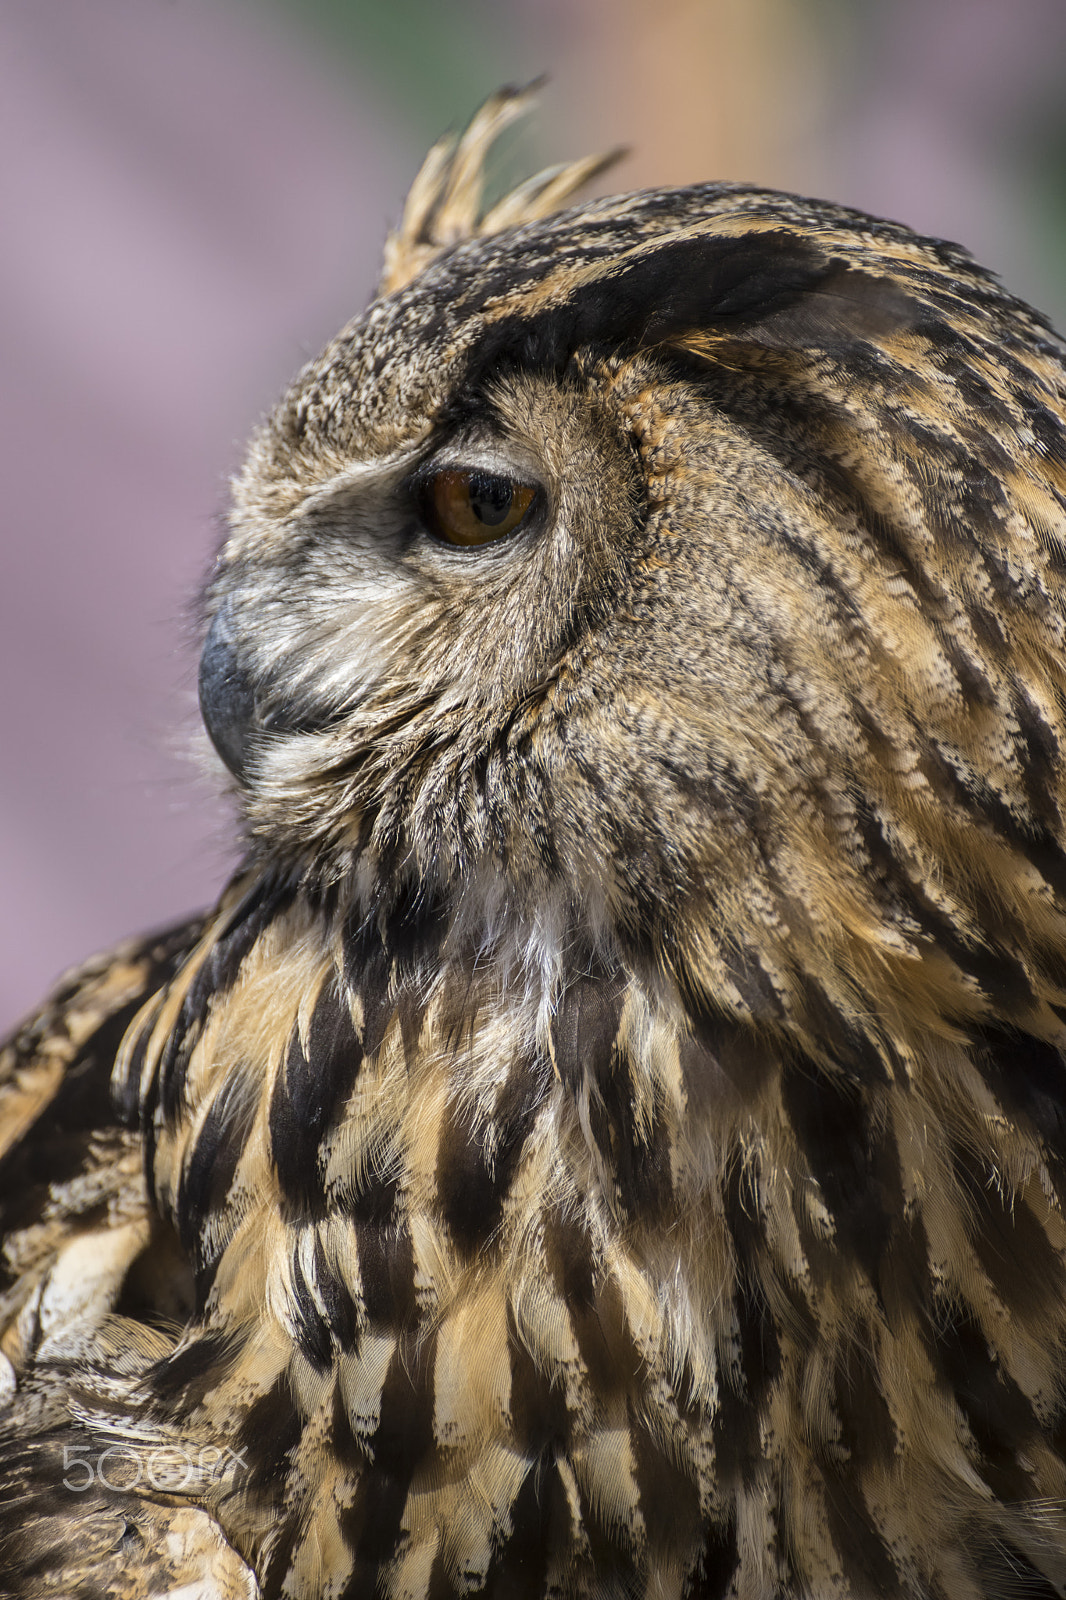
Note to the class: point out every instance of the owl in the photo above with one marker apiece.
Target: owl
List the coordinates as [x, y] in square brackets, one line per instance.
[608, 1142]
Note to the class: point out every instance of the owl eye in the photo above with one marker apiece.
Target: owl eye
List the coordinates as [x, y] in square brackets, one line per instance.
[469, 506]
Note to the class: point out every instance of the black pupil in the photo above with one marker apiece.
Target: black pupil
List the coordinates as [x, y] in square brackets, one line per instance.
[490, 498]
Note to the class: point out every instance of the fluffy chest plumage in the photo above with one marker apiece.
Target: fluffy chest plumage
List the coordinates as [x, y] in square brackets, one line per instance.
[525, 1282]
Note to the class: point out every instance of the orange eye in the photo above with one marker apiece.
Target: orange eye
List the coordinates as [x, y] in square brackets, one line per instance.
[466, 506]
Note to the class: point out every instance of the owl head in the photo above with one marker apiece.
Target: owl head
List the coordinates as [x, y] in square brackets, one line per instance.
[678, 579]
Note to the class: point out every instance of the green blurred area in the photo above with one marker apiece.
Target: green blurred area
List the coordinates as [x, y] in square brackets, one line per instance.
[436, 62]
[432, 64]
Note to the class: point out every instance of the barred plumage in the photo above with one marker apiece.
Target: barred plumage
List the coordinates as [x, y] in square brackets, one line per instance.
[609, 1139]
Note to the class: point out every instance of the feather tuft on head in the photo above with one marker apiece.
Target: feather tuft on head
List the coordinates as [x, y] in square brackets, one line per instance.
[443, 206]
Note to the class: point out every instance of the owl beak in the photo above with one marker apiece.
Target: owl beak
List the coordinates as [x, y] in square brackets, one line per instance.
[227, 698]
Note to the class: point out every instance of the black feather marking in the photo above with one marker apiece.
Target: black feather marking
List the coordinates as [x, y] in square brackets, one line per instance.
[998, 1413]
[974, 682]
[349, 1446]
[865, 1557]
[669, 1499]
[267, 1436]
[720, 1061]
[180, 1381]
[389, 953]
[845, 1042]
[1022, 1264]
[404, 1434]
[310, 1095]
[539, 1519]
[368, 972]
[772, 290]
[372, 1196]
[588, 1059]
[663, 294]
[372, 1525]
[904, 1281]
[89, 1070]
[867, 1430]
[1007, 1571]
[596, 1311]
[1046, 425]
[473, 1183]
[753, 981]
[327, 1323]
[745, 1382]
[854, 1163]
[386, 1267]
[206, 1178]
[441, 1584]
[612, 1553]
[413, 927]
[1041, 759]
[719, 1559]
[341, 1317]
[639, 1155]
[584, 1029]
[538, 1406]
[267, 900]
[55, 1148]
[311, 1329]
[1028, 1078]
[126, 1091]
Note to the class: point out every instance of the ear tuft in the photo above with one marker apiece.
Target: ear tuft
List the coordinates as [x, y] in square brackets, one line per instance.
[443, 206]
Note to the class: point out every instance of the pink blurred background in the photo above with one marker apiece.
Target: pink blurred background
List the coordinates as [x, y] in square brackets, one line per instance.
[193, 197]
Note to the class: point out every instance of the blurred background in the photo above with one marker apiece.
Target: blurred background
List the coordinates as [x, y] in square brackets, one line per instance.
[193, 197]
